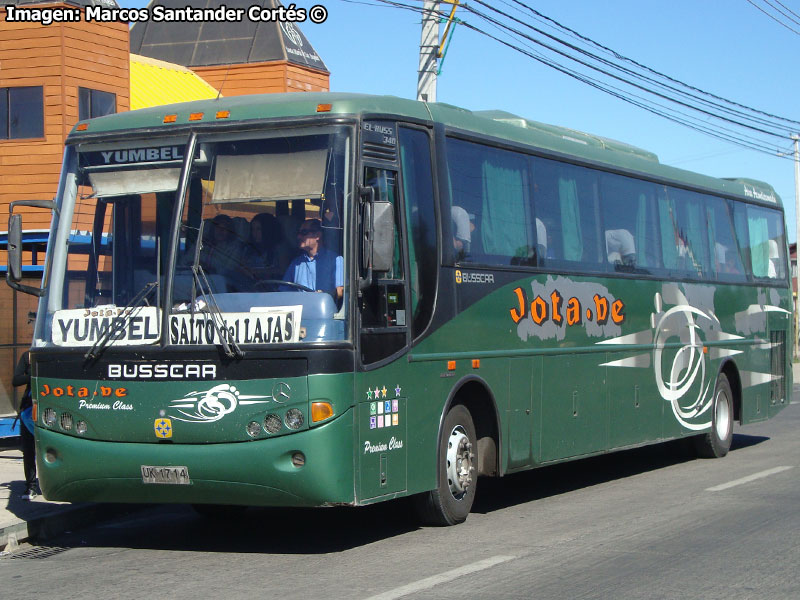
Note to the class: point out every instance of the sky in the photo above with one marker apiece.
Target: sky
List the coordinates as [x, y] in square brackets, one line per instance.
[727, 47]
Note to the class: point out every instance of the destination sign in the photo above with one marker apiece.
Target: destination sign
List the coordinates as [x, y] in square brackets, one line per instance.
[86, 326]
[129, 327]
[130, 156]
[275, 325]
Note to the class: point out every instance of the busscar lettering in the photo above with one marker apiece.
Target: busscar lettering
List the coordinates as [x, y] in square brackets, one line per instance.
[553, 308]
[162, 371]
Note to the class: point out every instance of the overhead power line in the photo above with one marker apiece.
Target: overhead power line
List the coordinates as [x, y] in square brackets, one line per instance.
[622, 77]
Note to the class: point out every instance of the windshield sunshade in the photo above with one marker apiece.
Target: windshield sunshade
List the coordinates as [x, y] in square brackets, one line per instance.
[270, 176]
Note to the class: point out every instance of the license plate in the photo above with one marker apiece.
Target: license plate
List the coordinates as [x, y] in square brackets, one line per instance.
[166, 475]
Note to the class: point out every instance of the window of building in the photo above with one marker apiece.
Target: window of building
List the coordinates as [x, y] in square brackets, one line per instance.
[94, 103]
[21, 112]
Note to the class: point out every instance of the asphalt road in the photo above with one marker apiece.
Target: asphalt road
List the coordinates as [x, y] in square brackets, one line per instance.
[647, 523]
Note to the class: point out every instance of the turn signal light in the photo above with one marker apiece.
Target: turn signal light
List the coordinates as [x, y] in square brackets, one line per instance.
[451, 365]
[321, 411]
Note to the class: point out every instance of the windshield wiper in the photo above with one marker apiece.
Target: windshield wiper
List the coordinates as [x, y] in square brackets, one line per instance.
[119, 324]
[211, 308]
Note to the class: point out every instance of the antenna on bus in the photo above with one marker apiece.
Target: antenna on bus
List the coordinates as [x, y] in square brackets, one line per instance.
[224, 79]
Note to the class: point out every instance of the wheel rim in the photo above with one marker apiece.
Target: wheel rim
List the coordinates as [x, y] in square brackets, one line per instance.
[459, 462]
[722, 415]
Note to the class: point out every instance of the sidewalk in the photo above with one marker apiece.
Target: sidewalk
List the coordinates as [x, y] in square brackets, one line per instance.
[21, 520]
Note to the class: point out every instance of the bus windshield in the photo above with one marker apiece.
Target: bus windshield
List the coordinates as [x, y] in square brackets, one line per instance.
[260, 254]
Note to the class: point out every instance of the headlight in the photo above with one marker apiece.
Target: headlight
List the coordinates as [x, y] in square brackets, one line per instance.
[294, 418]
[49, 417]
[66, 421]
[272, 424]
[253, 429]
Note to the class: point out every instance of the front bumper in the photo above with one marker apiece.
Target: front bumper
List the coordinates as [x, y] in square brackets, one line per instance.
[254, 473]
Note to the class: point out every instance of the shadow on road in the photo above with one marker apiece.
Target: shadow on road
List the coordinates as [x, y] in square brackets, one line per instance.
[325, 530]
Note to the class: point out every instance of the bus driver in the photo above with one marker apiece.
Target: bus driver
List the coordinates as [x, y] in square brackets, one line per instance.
[316, 268]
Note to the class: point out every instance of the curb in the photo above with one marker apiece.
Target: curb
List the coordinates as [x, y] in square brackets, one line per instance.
[63, 520]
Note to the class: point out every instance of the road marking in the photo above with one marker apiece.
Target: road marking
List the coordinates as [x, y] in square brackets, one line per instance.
[748, 479]
[429, 582]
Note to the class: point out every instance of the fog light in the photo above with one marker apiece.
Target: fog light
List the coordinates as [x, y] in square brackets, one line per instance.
[66, 421]
[294, 418]
[80, 427]
[298, 459]
[253, 428]
[51, 455]
[272, 424]
[49, 417]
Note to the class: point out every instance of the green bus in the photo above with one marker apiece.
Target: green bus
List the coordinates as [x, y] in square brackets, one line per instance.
[336, 299]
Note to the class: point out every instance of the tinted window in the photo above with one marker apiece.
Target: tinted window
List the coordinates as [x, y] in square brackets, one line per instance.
[684, 233]
[764, 242]
[726, 260]
[630, 220]
[95, 103]
[567, 216]
[22, 112]
[490, 212]
[421, 218]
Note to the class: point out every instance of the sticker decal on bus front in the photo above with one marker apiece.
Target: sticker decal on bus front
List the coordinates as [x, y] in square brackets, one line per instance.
[209, 406]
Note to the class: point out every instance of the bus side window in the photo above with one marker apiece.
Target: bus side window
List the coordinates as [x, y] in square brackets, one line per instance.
[417, 178]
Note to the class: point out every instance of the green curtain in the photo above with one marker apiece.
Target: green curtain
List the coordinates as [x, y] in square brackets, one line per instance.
[641, 232]
[759, 245]
[695, 234]
[669, 250]
[503, 229]
[570, 219]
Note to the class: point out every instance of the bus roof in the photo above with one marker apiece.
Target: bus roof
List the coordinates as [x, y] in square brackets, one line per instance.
[498, 124]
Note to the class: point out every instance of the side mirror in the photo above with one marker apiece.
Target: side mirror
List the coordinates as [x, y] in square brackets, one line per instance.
[15, 248]
[382, 236]
[14, 271]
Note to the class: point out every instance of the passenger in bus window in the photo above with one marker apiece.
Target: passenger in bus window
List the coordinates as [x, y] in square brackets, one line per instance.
[461, 232]
[620, 247]
[265, 253]
[316, 268]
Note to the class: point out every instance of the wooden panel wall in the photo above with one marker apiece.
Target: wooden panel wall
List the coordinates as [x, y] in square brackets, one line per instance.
[60, 57]
[264, 78]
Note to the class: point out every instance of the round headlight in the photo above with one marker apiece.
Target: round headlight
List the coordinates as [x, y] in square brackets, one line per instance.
[49, 417]
[66, 421]
[80, 427]
[253, 428]
[294, 418]
[272, 424]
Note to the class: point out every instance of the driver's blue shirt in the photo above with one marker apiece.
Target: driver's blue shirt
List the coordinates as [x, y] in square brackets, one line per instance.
[303, 270]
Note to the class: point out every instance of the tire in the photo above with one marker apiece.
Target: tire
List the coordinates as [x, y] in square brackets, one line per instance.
[717, 442]
[451, 501]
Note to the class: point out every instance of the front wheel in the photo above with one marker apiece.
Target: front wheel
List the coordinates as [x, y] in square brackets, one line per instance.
[451, 501]
[717, 442]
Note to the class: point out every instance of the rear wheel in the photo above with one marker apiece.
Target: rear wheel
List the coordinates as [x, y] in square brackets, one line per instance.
[717, 442]
[451, 501]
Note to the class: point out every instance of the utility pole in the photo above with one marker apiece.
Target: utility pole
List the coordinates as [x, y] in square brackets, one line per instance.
[796, 139]
[428, 52]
